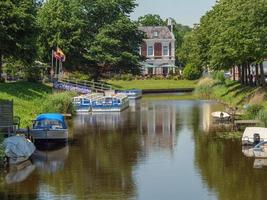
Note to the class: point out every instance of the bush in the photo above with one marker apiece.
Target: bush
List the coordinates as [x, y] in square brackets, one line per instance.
[127, 77]
[2, 80]
[80, 76]
[33, 74]
[204, 87]
[252, 111]
[219, 76]
[59, 103]
[191, 72]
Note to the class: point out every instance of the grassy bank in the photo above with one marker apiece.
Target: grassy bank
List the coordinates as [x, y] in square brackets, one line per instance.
[152, 84]
[251, 101]
[31, 99]
[230, 92]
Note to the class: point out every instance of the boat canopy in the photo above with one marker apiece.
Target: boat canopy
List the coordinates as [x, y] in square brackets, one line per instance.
[50, 116]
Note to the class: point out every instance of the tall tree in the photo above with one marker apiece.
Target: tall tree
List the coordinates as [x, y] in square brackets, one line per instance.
[80, 27]
[17, 30]
[115, 47]
[151, 20]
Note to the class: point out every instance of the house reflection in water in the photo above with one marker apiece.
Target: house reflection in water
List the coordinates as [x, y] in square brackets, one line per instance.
[158, 125]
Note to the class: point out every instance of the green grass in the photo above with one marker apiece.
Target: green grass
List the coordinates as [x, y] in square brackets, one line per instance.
[30, 99]
[230, 92]
[233, 93]
[27, 97]
[152, 84]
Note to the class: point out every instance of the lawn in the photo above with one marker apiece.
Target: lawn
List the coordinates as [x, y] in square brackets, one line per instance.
[152, 84]
[31, 99]
[28, 98]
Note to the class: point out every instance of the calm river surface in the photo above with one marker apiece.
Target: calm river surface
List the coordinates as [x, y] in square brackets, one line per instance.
[158, 149]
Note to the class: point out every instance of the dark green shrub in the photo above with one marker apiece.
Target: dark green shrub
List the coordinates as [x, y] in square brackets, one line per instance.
[80, 76]
[33, 74]
[219, 76]
[191, 72]
[2, 80]
[252, 111]
[127, 77]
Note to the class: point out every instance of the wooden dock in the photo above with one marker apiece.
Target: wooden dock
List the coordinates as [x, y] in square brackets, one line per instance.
[245, 123]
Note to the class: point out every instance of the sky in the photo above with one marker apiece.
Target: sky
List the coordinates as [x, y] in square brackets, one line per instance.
[186, 12]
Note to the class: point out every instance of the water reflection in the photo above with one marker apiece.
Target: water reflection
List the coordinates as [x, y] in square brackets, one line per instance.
[50, 160]
[260, 163]
[19, 172]
[157, 149]
[158, 125]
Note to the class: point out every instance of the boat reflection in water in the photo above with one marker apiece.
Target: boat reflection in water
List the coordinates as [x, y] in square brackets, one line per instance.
[260, 163]
[248, 151]
[50, 160]
[135, 105]
[19, 172]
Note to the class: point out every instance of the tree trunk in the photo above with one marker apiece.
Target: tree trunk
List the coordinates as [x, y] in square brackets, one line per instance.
[1, 64]
[233, 72]
[257, 75]
[239, 74]
[250, 79]
[242, 74]
[245, 74]
[262, 75]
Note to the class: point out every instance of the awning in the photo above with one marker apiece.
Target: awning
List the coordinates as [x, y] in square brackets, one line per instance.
[146, 65]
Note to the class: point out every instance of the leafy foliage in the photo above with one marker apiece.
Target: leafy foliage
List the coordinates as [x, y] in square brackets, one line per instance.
[233, 33]
[191, 72]
[96, 35]
[18, 30]
[151, 20]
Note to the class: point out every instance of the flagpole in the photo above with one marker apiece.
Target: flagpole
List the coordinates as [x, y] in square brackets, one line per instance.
[52, 69]
[56, 73]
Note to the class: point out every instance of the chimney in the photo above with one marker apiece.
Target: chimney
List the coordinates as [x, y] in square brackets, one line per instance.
[170, 24]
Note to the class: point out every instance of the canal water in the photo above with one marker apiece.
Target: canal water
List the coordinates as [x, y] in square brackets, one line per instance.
[158, 149]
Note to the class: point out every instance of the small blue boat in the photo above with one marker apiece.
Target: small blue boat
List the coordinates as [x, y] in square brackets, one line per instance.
[132, 94]
[83, 103]
[111, 103]
[49, 126]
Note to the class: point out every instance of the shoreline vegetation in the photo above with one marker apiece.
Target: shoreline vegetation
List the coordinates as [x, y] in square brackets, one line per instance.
[31, 99]
[249, 102]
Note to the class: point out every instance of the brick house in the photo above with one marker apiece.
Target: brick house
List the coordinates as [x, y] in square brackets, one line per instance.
[159, 50]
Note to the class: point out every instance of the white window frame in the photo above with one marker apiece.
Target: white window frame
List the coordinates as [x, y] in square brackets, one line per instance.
[150, 45]
[168, 50]
[155, 34]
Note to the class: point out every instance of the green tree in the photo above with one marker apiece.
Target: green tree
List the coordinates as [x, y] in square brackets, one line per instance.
[17, 30]
[115, 48]
[62, 25]
[82, 28]
[151, 20]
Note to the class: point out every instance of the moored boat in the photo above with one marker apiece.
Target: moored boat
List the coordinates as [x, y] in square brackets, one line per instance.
[132, 94]
[49, 126]
[260, 150]
[83, 103]
[111, 103]
[254, 135]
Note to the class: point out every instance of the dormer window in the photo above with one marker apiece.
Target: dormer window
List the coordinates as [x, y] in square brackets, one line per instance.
[155, 34]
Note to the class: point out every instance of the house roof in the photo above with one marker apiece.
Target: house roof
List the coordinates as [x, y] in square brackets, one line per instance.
[163, 32]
